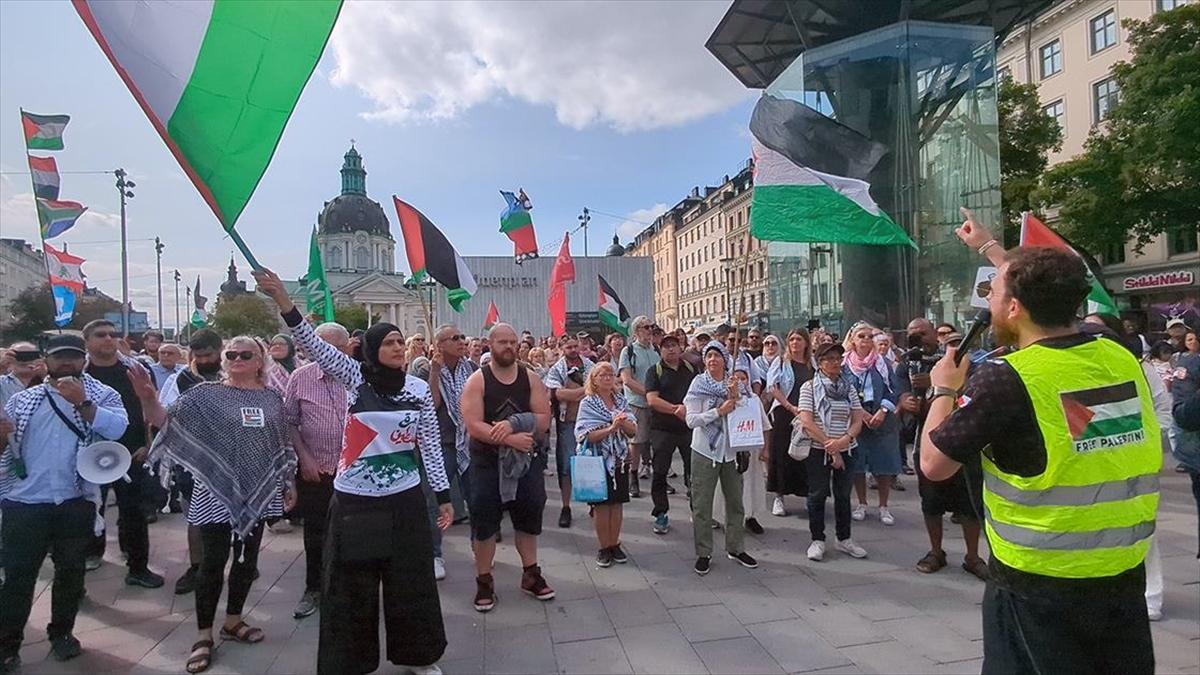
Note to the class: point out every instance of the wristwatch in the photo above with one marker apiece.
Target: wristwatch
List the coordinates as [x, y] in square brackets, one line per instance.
[937, 391]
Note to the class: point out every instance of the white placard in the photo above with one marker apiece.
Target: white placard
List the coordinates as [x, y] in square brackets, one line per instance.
[983, 283]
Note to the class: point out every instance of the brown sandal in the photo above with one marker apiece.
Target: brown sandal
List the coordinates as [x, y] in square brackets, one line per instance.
[977, 567]
[244, 633]
[199, 662]
[932, 562]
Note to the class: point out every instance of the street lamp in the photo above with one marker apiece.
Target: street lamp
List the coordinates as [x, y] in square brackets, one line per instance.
[158, 249]
[584, 219]
[728, 265]
[124, 189]
[177, 279]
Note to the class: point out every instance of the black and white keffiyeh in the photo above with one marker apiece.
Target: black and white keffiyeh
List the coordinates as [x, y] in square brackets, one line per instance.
[595, 414]
[452, 381]
[232, 440]
[711, 393]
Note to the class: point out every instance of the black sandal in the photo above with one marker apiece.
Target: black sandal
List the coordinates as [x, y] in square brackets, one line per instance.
[932, 562]
[243, 633]
[199, 662]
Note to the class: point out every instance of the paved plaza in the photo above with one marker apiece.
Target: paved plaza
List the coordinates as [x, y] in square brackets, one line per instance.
[653, 615]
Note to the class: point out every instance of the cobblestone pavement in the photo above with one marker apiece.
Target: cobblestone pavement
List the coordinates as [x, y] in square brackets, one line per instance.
[653, 615]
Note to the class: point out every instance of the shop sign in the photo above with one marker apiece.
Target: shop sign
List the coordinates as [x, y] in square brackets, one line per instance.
[1158, 280]
[507, 282]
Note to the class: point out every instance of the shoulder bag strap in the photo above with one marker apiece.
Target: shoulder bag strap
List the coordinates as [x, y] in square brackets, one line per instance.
[71, 425]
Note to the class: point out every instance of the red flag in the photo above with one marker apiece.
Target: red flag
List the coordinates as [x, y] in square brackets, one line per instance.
[564, 266]
[493, 316]
[558, 309]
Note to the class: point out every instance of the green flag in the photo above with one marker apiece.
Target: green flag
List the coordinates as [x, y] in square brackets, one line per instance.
[317, 297]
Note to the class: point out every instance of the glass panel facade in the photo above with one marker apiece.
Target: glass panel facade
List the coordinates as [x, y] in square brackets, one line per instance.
[928, 92]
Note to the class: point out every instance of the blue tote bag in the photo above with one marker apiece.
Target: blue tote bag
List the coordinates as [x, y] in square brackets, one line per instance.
[589, 478]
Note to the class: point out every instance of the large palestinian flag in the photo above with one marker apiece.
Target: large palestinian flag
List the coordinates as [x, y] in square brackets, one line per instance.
[1103, 418]
[217, 78]
[1035, 233]
[612, 311]
[810, 179]
[430, 253]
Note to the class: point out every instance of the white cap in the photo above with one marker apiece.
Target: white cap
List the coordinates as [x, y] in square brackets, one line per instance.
[1175, 322]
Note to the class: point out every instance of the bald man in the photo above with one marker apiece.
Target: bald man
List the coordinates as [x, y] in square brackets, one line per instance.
[26, 368]
[506, 410]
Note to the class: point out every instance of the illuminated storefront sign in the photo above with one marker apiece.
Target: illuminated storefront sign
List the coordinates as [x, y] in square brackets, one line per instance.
[1158, 280]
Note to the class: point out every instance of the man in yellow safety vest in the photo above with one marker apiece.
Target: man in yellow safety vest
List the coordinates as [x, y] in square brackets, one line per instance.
[1071, 455]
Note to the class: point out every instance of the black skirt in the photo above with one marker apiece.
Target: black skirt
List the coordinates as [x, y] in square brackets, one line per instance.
[618, 486]
[785, 476]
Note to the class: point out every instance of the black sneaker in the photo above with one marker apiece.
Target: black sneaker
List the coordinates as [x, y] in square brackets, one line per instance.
[65, 647]
[187, 582]
[144, 578]
[604, 558]
[618, 555]
[635, 490]
[744, 559]
[564, 517]
[702, 565]
[671, 489]
[753, 526]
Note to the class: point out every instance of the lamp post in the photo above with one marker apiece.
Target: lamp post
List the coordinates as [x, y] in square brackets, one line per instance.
[123, 188]
[727, 266]
[158, 249]
[584, 219]
[425, 286]
[177, 305]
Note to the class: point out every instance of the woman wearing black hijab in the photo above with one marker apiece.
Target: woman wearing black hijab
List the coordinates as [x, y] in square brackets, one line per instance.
[378, 523]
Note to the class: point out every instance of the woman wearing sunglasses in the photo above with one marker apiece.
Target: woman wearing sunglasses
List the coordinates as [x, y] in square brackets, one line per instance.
[379, 531]
[230, 436]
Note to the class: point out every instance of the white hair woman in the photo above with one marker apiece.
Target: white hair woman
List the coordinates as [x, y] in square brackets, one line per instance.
[874, 378]
[231, 437]
[605, 423]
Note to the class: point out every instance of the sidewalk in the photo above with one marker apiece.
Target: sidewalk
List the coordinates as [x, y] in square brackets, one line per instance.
[653, 615]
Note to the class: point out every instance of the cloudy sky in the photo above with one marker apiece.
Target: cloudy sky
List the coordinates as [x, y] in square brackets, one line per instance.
[614, 106]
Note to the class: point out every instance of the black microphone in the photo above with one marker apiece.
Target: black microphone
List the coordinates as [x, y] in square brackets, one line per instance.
[982, 320]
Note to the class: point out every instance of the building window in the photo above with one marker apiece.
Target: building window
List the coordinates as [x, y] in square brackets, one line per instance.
[1182, 240]
[1105, 95]
[335, 258]
[1104, 31]
[1005, 73]
[362, 258]
[1057, 111]
[1168, 5]
[1052, 60]
[1114, 253]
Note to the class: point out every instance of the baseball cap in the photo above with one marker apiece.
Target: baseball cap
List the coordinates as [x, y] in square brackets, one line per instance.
[582, 334]
[65, 343]
[1176, 322]
[831, 347]
[703, 337]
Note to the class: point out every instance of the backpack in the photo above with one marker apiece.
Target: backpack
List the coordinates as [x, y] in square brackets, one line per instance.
[658, 367]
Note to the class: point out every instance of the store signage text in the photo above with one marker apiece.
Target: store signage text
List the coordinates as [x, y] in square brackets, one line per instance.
[507, 282]
[1159, 280]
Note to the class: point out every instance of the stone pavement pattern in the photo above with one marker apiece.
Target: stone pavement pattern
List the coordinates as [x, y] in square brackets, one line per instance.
[653, 615]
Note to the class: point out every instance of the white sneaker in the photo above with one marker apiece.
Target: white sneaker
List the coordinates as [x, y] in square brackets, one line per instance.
[885, 515]
[777, 508]
[859, 512]
[439, 572]
[422, 670]
[850, 548]
[1155, 614]
[816, 551]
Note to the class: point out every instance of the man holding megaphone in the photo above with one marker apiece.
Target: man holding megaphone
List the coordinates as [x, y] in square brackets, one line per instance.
[47, 507]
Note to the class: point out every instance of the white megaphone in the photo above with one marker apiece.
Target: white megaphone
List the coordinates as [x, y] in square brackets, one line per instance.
[103, 462]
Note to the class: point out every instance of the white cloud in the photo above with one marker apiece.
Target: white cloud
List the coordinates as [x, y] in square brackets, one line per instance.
[629, 65]
[639, 220]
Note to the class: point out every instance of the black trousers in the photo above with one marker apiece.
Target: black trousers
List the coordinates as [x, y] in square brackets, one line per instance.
[820, 476]
[378, 543]
[29, 532]
[218, 541]
[133, 534]
[313, 506]
[1067, 633]
[663, 445]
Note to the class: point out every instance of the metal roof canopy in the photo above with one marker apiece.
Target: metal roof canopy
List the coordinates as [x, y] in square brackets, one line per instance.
[757, 39]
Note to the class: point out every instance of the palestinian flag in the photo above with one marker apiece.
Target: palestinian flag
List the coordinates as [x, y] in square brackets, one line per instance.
[1035, 233]
[516, 222]
[217, 78]
[43, 132]
[430, 253]
[45, 177]
[810, 179]
[65, 269]
[493, 316]
[57, 217]
[1103, 418]
[372, 438]
[612, 311]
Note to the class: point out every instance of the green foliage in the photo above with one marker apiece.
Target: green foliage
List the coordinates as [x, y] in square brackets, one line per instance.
[1026, 135]
[353, 317]
[1139, 174]
[245, 315]
[32, 312]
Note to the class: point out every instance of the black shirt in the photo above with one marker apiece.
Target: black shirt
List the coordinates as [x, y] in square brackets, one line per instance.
[115, 376]
[672, 385]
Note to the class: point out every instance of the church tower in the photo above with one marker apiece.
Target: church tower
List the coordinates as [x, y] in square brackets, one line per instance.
[353, 232]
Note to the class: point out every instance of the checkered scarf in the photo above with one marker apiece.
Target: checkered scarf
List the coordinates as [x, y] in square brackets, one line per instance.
[594, 414]
[451, 383]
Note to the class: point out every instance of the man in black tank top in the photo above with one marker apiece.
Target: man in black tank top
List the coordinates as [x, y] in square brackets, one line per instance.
[501, 389]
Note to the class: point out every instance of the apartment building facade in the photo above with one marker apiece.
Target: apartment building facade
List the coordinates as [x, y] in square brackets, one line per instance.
[1069, 52]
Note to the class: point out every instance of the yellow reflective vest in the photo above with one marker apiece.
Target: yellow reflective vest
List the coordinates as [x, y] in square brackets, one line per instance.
[1091, 512]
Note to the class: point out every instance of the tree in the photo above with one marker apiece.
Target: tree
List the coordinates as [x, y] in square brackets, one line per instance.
[32, 312]
[1139, 174]
[245, 315]
[1027, 133]
[353, 317]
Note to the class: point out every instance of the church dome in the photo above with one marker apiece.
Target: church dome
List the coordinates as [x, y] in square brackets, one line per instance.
[616, 250]
[353, 211]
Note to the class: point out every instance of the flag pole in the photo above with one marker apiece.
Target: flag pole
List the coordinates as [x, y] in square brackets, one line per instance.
[41, 232]
[237, 241]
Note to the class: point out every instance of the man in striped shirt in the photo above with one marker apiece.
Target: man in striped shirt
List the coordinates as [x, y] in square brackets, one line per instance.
[314, 407]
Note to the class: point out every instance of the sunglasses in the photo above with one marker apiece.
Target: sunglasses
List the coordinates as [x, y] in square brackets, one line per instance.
[245, 355]
[455, 338]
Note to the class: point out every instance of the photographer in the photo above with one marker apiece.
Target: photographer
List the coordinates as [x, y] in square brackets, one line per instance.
[1070, 474]
[961, 494]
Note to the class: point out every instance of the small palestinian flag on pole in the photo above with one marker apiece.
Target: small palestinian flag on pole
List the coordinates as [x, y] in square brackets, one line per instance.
[44, 171]
[56, 217]
[1035, 233]
[43, 132]
[612, 311]
[493, 316]
[430, 253]
[517, 223]
[1103, 418]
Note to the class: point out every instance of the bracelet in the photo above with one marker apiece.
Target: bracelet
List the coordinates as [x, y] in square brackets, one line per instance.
[987, 245]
